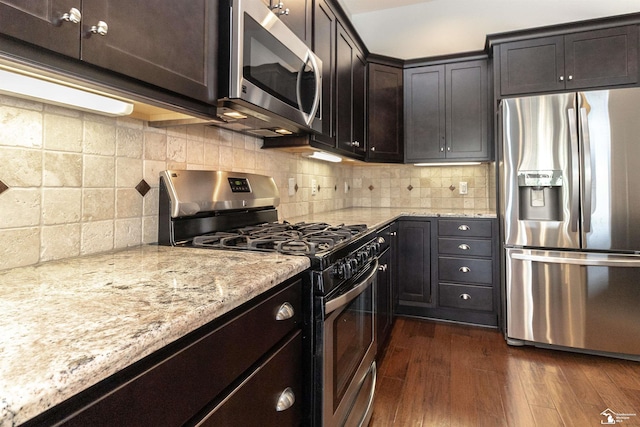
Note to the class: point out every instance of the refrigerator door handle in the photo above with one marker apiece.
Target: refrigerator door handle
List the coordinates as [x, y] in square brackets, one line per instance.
[574, 216]
[603, 261]
[586, 169]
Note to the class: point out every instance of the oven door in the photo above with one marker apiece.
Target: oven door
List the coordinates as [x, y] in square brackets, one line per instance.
[271, 67]
[349, 352]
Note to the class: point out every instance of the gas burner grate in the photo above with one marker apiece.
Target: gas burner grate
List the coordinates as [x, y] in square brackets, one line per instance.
[293, 239]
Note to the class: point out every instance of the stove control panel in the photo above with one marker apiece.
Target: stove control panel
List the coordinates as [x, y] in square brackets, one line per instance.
[239, 185]
[350, 265]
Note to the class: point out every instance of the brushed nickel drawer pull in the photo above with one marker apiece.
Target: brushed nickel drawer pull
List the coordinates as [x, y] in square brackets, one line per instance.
[464, 269]
[464, 227]
[285, 312]
[465, 297]
[464, 247]
[286, 400]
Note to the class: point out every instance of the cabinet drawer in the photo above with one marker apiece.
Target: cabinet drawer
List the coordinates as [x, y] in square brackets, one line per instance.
[465, 296]
[173, 390]
[465, 270]
[464, 227]
[254, 402]
[465, 247]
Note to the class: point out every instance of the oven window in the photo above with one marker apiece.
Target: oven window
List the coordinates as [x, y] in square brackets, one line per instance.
[271, 66]
[352, 337]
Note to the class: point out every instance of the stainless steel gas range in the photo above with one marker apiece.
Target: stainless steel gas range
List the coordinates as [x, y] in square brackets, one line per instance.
[237, 211]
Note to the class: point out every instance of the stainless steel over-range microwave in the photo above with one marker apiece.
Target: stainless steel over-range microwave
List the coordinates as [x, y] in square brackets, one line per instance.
[266, 71]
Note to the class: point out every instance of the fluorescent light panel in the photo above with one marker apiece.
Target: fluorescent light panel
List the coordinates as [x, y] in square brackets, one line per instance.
[449, 164]
[319, 155]
[36, 89]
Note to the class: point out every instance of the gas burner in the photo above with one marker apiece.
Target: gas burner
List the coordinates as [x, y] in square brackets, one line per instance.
[293, 239]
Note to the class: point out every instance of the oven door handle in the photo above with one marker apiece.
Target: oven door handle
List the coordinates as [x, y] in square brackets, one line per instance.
[347, 297]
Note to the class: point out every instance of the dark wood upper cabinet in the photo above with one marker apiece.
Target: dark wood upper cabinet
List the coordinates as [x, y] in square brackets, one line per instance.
[424, 97]
[601, 58]
[299, 18]
[350, 107]
[385, 105]
[447, 112]
[467, 117]
[324, 46]
[588, 59]
[43, 23]
[167, 44]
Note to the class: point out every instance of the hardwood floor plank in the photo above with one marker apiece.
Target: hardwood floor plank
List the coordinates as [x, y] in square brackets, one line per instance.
[386, 401]
[546, 417]
[442, 374]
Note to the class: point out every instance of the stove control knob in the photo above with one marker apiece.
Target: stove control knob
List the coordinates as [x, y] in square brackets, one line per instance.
[375, 248]
[381, 240]
[353, 262]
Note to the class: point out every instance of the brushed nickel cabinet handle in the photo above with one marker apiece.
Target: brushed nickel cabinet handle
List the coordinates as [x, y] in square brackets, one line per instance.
[464, 247]
[74, 16]
[464, 269]
[286, 400]
[464, 227]
[382, 268]
[101, 29]
[285, 312]
[465, 297]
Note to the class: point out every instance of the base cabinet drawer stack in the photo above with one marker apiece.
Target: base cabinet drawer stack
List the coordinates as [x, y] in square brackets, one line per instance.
[467, 269]
[447, 269]
[242, 369]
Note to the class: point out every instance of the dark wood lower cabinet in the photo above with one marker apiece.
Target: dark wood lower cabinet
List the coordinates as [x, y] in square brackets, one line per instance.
[245, 360]
[447, 269]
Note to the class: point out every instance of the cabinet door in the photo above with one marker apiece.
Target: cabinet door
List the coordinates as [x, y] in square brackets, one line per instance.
[324, 46]
[384, 301]
[424, 113]
[467, 114]
[602, 58]
[298, 19]
[359, 107]
[345, 56]
[166, 43]
[385, 113]
[414, 262]
[532, 66]
[40, 22]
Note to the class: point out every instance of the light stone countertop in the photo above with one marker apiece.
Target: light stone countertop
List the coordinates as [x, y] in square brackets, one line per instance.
[66, 325]
[377, 217]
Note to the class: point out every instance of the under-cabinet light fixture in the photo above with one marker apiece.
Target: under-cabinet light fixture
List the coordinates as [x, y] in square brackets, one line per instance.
[51, 92]
[320, 155]
[449, 164]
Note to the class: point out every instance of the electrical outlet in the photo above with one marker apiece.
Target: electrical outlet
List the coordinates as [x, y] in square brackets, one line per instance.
[292, 186]
[314, 187]
[463, 187]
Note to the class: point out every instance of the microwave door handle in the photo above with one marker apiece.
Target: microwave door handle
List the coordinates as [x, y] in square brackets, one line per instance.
[586, 169]
[574, 216]
[316, 98]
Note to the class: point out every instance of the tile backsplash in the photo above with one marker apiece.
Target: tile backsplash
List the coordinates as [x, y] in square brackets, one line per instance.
[71, 178]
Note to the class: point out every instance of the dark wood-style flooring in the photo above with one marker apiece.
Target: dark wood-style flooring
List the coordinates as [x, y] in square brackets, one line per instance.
[440, 374]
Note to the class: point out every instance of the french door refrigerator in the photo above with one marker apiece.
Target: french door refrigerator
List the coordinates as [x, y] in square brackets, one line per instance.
[570, 205]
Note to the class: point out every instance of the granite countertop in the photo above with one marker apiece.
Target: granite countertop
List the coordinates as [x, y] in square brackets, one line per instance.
[68, 324]
[377, 217]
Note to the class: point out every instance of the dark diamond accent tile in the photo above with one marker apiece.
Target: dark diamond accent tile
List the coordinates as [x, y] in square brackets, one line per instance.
[410, 187]
[3, 187]
[318, 188]
[143, 188]
[452, 187]
[335, 188]
[296, 188]
[371, 187]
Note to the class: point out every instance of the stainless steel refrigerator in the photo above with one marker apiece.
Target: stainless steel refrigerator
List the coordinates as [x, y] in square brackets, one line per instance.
[570, 209]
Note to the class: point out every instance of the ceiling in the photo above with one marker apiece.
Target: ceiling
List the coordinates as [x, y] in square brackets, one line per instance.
[408, 29]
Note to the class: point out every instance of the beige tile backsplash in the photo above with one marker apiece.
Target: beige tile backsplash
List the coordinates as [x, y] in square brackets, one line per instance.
[72, 178]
